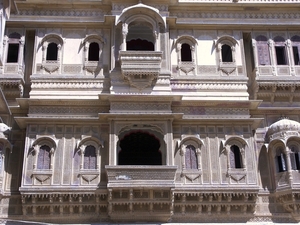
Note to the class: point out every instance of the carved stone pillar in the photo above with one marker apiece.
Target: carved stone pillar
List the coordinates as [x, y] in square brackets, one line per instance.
[36, 152]
[290, 57]
[198, 152]
[254, 48]
[124, 35]
[272, 56]
[182, 153]
[82, 150]
[289, 166]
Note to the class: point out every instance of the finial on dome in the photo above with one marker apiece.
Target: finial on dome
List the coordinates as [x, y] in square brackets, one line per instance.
[283, 117]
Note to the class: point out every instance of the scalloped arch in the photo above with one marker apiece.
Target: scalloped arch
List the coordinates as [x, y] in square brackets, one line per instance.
[149, 127]
[53, 38]
[191, 138]
[186, 39]
[46, 140]
[93, 37]
[226, 40]
[275, 143]
[239, 141]
[140, 10]
[91, 140]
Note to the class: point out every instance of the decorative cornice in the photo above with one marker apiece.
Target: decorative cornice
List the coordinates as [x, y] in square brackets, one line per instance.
[66, 85]
[191, 85]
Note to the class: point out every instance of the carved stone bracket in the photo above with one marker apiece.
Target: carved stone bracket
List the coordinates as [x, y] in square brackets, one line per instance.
[92, 67]
[187, 67]
[192, 176]
[237, 175]
[227, 68]
[50, 67]
[42, 176]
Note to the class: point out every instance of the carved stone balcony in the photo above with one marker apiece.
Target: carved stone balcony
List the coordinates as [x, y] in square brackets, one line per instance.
[140, 68]
[140, 176]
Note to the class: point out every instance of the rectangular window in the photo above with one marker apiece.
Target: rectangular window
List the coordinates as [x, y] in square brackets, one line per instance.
[280, 55]
[296, 55]
[13, 53]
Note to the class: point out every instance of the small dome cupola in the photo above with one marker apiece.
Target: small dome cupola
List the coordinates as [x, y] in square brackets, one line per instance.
[283, 128]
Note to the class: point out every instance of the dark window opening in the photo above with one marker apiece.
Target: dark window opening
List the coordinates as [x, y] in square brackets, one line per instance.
[140, 148]
[295, 157]
[52, 52]
[235, 157]
[280, 55]
[93, 52]
[90, 161]
[140, 45]
[226, 53]
[186, 53]
[43, 161]
[296, 55]
[191, 161]
[13, 53]
[281, 163]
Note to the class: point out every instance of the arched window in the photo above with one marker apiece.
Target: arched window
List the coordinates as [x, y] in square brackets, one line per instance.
[280, 161]
[280, 50]
[295, 158]
[235, 157]
[52, 48]
[191, 161]
[186, 53]
[140, 37]
[44, 157]
[52, 52]
[296, 49]
[226, 53]
[13, 48]
[263, 53]
[93, 52]
[90, 158]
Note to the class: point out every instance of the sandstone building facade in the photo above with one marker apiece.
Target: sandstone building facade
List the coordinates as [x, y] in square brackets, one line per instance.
[150, 111]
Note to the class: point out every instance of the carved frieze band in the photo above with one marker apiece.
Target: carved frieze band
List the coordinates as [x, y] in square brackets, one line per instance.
[139, 106]
[210, 111]
[66, 110]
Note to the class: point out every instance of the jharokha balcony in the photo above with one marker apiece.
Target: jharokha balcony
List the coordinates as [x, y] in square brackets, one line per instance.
[140, 68]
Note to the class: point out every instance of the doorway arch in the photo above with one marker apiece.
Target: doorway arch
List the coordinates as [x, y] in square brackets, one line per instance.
[139, 148]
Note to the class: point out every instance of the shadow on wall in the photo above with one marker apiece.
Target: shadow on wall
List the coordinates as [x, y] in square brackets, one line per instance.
[264, 169]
